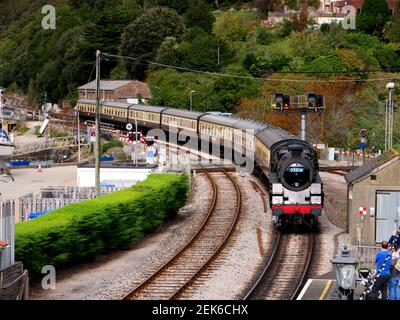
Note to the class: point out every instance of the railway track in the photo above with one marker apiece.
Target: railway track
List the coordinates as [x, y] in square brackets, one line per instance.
[175, 277]
[284, 274]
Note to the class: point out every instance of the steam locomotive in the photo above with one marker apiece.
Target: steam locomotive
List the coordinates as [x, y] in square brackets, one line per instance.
[290, 165]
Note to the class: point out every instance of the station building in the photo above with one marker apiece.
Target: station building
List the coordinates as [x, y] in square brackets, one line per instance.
[127, 91]
[373, 199]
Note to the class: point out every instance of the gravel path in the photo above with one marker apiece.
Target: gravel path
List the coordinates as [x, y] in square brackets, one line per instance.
[335, 189]
[331, 222]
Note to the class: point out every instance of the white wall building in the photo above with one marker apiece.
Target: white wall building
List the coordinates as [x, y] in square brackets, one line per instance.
[112, 176]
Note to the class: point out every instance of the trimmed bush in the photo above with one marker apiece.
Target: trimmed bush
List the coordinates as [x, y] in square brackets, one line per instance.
[82, 231]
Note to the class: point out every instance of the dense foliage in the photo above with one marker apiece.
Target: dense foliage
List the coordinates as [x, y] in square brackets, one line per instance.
[189, 35]
[142, 38]
[82, 231]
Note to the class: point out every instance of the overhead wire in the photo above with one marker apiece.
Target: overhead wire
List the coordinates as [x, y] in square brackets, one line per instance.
[138, 61]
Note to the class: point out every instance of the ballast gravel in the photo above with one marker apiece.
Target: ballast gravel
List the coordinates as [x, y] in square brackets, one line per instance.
[232, 272]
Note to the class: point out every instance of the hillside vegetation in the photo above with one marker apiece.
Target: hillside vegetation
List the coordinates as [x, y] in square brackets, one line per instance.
[293, 57]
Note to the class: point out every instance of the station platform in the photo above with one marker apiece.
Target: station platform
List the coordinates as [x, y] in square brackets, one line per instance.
[325, 289]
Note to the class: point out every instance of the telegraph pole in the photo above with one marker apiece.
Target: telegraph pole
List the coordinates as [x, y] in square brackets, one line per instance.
[136, 143]
[79, 138]
[97, 144]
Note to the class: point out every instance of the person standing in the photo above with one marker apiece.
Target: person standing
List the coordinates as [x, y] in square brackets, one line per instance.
[394, 282]
[383, 261]
[395, 239]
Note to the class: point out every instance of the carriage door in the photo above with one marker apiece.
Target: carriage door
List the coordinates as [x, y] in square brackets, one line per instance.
[387, 214]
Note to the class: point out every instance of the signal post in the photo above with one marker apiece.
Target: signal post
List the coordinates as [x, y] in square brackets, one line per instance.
[311, 103]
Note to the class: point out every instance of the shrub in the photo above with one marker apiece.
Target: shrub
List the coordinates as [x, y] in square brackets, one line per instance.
[325, 27]
[111, 144]
[82, 231]
[21, 128]
[37, 131]
[55, 133]
[264, 36]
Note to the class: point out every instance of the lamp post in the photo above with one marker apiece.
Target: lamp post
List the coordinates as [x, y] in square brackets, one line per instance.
[344, 267]
[190, 94]
[389, 118]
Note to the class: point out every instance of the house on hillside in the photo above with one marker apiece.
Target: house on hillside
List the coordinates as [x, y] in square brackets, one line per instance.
[336, 6]
[129, 91]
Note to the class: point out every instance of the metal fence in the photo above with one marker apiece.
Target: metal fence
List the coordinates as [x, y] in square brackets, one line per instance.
[365, 255]
[7, 222]
[51, 198]
[79, 193]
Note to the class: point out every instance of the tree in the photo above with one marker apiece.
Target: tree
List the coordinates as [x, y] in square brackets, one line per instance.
[179, 5]
[230, 27]
[264, 7]
[168, 52]
[295, 4]
[198, 15]
[392, 31]
[142, 38]
[201, 51]
[90, 3]
[373, 17]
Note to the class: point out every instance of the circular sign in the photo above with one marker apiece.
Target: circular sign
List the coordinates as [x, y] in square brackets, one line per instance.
[129, 126]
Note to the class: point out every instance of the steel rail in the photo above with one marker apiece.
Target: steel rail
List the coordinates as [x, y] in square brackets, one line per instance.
[223, 243]
[267, 268]
[265, 278]
[310, 251]
[187, 246]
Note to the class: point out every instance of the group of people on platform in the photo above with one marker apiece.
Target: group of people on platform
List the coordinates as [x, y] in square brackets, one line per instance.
[388, 270]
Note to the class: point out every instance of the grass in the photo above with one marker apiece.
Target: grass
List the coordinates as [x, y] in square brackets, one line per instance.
[21, 128]
[37, 131]
[55, 133]
[111, 144]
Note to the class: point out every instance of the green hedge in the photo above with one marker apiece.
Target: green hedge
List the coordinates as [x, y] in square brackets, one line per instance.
[82, 231]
